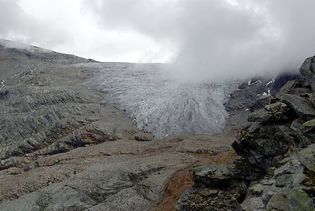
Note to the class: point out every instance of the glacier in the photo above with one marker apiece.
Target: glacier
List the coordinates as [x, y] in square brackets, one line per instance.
[158, 104]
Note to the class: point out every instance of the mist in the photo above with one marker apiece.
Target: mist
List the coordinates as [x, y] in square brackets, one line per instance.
[219, 40]
[202, 40]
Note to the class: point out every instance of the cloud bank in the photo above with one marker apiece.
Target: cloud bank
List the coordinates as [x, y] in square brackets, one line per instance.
[219, 39]
[205, 40]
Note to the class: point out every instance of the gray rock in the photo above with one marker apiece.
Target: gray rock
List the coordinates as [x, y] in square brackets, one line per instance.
[291, 174]
[141, 136]
[257, 189]
[296, 199]
[309, 124]
[253, 204]
[205, 199]
[246, 171]
[307, 157]
[300, 105]
[307, 71]
[286, 89]
[116, 183]
[215, 176]
[271, 113]
[261, 144]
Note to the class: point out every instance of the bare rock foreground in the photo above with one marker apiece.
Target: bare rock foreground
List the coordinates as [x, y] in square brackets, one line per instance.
[63, 148]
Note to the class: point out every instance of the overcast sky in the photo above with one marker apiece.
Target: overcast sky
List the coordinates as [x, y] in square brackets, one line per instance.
[214, 38]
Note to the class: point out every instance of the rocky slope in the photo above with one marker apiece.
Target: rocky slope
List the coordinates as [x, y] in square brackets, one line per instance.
[276, 164]
[63, 147]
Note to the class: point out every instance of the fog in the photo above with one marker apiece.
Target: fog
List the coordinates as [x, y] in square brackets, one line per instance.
[220, 39]
[204, 40]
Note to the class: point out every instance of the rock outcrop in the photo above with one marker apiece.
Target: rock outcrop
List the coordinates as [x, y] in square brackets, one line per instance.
[275, 168]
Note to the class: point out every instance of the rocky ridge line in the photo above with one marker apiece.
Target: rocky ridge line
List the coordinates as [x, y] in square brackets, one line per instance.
[276, 165]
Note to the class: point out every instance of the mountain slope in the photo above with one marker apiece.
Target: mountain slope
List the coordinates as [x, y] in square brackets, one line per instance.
[64, 147]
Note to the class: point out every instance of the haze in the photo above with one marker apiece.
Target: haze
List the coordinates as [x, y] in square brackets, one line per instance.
[204, 40]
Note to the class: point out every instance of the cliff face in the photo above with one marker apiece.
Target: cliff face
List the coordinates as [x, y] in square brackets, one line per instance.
[276, 165]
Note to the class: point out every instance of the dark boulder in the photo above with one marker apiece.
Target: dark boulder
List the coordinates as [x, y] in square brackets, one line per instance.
[301, 105]
[141, 136]
[261, 144]
[243, 170]
[4, 93]
[271, 113]
[215, 176]
[296, 87]
[281, 80]
[205, 199]
[308, 71]
[247, 95]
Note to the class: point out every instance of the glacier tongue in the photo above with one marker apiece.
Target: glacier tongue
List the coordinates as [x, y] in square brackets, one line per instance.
[159, 105]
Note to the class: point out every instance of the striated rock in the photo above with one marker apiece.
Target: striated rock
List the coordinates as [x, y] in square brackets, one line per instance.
[115, 183]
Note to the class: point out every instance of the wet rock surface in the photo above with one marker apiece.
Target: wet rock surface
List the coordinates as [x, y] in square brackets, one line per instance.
[275, 168]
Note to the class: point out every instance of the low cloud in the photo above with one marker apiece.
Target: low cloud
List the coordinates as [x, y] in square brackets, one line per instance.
[204, 40]
[16, 24]
[219, 39]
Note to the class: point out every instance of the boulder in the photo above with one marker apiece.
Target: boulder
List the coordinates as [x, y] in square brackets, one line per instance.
[215, 176]
[257, 189]
[249, 95]
[283, 82]
[244, 170]
[141, 136]
[271, 113]
[308, 129]
[307, 157]
[290, 174]
[260, 145]
[308, 71]
[206, 199]
[215, 188]
[300, 105]
[3, 93]
[296, 199]
[309, 124]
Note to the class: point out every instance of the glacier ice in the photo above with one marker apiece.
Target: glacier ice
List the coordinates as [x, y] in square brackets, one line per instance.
[161, 105]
